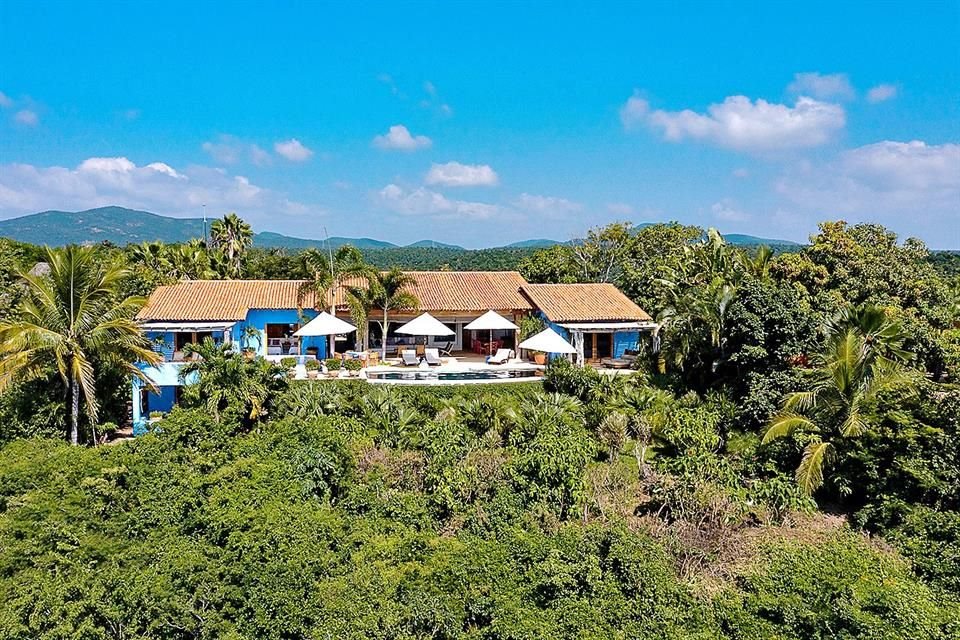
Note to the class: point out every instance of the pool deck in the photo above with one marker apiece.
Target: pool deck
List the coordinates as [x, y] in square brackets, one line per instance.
[458, 364]
[499, 373]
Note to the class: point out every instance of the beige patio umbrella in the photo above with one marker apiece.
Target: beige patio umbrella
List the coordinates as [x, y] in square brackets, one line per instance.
[491, 321]
[425, 325]
[547, 341]
[325, 325]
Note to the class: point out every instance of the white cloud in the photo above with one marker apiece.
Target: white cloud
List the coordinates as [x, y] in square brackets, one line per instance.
[157, 186]
[549, 206]
[454, 174]
[130, 114]
[621, 209]
[822, 86]
[635, 111]
[881, 93]
[744, 125]
[5, 100]
[424, 202]
[727, 211]
[229, 150]
[429, 88]
[741, 173]
[888, 181]
[259, 156]
[27, 117]
[293, 150]
[399, 138]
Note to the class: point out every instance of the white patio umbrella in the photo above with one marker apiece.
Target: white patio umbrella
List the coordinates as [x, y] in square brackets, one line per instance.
[491, 321]
[547, 341]
[425, 325]
[324, 325]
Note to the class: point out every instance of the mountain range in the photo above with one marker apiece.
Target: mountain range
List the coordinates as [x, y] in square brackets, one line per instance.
[128, 226]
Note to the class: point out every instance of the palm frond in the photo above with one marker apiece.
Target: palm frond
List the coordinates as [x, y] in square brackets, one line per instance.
[809, 474]
[785, 424]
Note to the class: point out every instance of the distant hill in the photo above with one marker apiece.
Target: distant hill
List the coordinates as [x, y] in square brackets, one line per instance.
[269, 239]
[743, 239]
[115, 224]
[432, 244]
[536, 243]
[127, 226]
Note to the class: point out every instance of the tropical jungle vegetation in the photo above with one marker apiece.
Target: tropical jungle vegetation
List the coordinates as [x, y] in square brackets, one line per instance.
[784, 462]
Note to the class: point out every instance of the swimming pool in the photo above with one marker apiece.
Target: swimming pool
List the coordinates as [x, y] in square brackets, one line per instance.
[466, 376]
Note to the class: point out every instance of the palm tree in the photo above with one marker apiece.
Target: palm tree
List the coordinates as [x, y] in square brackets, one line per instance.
[862, 358]
[225, 377]
[232, 236]
[152, 255]
[385, 291]
[326, 275]
[189, 261]
[758, 265]
[73, 319]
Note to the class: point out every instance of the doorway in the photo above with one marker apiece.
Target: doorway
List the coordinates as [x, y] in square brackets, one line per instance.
[597, 346]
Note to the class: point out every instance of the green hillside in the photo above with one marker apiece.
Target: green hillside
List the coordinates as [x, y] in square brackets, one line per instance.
[432, 244]
[128, 226]
[535, 243]
[123, 226]
[114, 224]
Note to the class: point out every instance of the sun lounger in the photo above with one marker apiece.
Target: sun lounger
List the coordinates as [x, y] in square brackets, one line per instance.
[616, 363]
[410, 358]
[432, 356]
[500, 357]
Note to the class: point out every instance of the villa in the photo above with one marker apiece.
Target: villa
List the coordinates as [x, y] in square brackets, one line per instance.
[262, 316]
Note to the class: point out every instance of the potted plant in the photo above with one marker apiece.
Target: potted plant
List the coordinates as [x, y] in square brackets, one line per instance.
[353, 366]
[539, 357]
[333, 366]
[313, 368]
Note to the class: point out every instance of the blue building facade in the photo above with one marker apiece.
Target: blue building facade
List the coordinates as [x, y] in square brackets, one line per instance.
[266, 332]
[622, 337]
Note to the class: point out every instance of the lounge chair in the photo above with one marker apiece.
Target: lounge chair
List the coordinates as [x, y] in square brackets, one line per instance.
[445, 350]
[410, 358]
[432, 356]
[500, 357]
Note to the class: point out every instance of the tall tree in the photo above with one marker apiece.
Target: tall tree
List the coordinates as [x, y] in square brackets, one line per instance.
[233, 237]
[386, 292]
[862, 358]
[326, 274]
[74, 320]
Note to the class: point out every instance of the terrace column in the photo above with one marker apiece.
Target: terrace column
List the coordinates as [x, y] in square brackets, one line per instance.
[136, 409]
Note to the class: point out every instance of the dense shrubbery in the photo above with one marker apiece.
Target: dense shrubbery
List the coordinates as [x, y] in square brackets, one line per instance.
[474, 521]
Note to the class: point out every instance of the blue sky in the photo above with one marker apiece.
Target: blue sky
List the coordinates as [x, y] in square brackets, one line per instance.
[487, 123]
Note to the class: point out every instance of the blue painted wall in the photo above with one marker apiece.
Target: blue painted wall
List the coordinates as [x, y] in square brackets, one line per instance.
[622, 340]
[169, 341]
[162, 401]
[260, 318]
[625, 340]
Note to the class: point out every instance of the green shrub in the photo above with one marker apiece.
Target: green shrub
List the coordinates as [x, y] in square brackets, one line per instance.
[334, 364]
[351, 364]
[312, 364]
[838, 587]
[288, 362]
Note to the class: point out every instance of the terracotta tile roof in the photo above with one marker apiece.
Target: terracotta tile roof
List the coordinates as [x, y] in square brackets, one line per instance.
[219, 299]
[231, 299]
[462, 291]
[584, 303]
